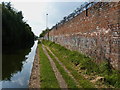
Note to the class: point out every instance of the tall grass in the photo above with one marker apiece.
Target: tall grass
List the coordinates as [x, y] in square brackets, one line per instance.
[112, 77]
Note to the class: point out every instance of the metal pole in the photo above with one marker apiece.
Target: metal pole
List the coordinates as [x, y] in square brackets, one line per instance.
[47, 25]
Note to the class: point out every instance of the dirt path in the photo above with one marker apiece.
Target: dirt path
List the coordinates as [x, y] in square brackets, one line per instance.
[63, 67]
[93, 79]
[58, 75]
[35, 74]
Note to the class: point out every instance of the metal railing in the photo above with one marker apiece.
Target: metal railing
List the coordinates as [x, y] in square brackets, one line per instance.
[76, 12]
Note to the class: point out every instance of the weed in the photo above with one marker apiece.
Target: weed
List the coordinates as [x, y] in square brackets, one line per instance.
[112, 77]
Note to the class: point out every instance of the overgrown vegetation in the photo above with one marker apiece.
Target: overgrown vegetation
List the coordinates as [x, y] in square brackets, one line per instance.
[111, 76]
[43, 33]
[70, 82]
[47, 76]
[16, 33]
[61, 55]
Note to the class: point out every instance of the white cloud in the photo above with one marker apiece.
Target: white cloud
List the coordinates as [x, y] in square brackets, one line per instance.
[19, 81]
[47, 0]
[35, 13]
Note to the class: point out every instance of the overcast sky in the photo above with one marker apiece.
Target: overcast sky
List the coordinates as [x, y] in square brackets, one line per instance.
[35, 12]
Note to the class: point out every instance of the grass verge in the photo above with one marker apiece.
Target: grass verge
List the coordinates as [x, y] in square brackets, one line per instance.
[47, 76]
[73, 59]
[70, 82]
[84, 83]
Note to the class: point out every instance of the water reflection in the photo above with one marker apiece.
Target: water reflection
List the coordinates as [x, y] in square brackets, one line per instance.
[13, 63]
[17, 68]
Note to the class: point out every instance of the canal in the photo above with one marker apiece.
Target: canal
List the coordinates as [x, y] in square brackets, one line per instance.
[16, 68]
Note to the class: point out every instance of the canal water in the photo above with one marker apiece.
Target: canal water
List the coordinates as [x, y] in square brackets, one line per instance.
[16, 68]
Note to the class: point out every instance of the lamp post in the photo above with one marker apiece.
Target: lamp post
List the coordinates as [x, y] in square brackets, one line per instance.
[47, 25]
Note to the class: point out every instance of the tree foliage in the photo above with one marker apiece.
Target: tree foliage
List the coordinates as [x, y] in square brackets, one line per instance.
[16, 33]
[43, 33]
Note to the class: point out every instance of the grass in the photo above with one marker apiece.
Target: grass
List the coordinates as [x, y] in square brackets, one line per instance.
[61, 55]
[47, 76]
[73, 58]
[70, 82]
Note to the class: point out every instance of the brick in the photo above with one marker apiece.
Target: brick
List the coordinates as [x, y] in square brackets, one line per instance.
[96, 35]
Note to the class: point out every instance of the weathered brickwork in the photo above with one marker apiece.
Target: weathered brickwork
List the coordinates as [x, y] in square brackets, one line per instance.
[96, 35]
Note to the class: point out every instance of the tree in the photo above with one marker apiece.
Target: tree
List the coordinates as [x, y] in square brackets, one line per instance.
[16, 33]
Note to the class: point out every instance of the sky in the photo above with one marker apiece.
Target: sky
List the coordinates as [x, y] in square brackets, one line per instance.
[34, 12]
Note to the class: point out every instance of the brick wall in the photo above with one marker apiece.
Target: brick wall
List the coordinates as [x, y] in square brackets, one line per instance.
[96, 35]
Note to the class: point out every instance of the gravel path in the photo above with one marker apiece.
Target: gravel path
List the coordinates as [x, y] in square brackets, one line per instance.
[58, 75]
[35, 74]
[63, 67]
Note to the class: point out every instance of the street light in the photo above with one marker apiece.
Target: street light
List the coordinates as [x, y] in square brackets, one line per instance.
[47, 25]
